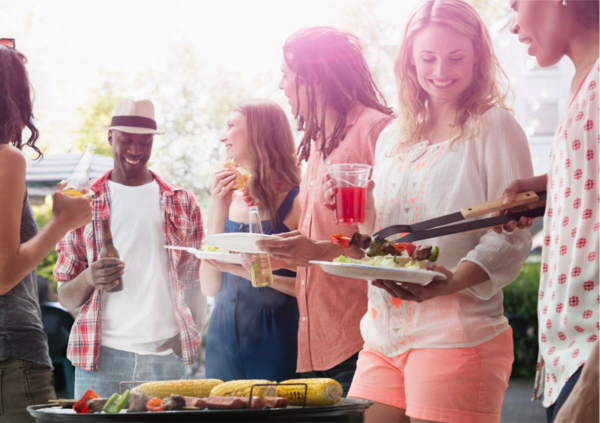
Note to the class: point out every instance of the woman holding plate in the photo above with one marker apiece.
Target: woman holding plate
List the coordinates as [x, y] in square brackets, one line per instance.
[252, 331]
[442, 352]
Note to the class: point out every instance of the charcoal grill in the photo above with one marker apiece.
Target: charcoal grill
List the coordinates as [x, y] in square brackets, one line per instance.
[347, 410]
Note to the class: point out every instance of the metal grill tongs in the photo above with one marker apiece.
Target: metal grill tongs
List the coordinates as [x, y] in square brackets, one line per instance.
[434, 228]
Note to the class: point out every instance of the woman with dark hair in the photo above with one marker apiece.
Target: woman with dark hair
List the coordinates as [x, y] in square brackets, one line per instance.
[338, 106]
[567, 370]
[25, 367]
[252, 332]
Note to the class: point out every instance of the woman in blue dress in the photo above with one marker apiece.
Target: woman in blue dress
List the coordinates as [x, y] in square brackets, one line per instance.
[253, 331]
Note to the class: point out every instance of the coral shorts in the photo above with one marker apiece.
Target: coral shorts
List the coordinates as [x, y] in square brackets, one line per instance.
[453, 385]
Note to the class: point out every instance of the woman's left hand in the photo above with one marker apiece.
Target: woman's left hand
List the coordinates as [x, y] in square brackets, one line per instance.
[234, 269]
[419, 293]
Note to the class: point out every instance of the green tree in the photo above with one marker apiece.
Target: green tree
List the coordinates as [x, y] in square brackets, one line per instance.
[42, 214]
[97, 113]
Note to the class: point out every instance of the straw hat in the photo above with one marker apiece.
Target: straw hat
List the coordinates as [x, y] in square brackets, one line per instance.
[134, 117]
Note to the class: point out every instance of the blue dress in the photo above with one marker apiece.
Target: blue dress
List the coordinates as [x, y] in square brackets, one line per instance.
[253, 332]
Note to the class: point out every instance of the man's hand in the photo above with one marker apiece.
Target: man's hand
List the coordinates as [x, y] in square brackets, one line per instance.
[172, 344]
[105, 273]
[419, 293]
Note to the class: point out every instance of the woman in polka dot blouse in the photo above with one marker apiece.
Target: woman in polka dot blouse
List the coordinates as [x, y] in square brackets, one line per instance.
[567, 373]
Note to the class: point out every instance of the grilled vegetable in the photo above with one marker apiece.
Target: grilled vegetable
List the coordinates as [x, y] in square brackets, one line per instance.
[111, 404]
[341, 240]
[154, 404]
[241, 388]
[434, 254]
[320, 391]
[193, 387]
[81, 405]
[375, 249]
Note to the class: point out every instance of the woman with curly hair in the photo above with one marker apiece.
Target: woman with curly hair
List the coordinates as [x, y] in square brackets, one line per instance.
[567, 370]
[338, 106]
[25, 367]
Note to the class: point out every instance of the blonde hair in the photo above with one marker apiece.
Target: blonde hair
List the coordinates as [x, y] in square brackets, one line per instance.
[271, 149]
[488, 88]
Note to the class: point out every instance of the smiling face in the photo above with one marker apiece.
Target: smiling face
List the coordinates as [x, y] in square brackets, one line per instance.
[542, 26]
[235, 137]
[288, 86]
[444, 61]
[131, 152]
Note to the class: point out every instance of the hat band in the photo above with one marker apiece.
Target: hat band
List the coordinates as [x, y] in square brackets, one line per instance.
[133, 121]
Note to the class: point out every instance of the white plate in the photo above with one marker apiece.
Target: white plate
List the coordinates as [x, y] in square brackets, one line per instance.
[210, 255]
[236, 241]
[359, 271]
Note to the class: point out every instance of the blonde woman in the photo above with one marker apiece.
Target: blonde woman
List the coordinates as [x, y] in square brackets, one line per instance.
[443, 352]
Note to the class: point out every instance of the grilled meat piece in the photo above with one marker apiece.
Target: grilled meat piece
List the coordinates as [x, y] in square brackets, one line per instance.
[422, 252]
[361, 241]
[174, 402]
[224, 403]
[275, 402]
[388, 248]
[195, 402]
[137, 402]
[96, 404]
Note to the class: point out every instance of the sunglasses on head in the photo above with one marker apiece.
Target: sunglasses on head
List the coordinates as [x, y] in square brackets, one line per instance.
[8, 42]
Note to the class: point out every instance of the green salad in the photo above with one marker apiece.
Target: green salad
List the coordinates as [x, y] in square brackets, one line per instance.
[389, 262]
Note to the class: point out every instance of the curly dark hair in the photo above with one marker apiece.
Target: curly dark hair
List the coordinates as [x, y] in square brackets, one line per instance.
[588, 11]
[335, 59]
[16, 102]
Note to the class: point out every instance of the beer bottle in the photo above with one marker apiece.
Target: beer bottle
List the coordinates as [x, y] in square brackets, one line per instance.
[260, 270]
[80, 178]
[109, 250]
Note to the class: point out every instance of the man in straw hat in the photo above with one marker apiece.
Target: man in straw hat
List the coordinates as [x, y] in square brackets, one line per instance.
[150, 329]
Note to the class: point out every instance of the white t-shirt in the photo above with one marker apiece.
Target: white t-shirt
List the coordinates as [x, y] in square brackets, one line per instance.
[141, 317]
[568, 298]
[429, 181]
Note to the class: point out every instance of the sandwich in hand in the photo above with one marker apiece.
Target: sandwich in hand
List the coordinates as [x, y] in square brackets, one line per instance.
[241, 175]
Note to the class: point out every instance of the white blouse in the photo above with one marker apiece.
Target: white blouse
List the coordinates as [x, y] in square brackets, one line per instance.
[430, 181]
[568, 299]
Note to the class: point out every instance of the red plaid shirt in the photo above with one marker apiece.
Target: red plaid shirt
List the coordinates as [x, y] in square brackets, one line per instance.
[182, 225]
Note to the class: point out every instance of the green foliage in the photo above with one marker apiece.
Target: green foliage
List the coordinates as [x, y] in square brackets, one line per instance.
[520, 306]
[97, 114]
[42, 214]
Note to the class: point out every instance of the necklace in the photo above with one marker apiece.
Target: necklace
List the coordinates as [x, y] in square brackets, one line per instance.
[249, 199]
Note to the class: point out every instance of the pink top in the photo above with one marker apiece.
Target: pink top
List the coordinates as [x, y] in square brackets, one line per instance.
[331, 307]
[568, 301]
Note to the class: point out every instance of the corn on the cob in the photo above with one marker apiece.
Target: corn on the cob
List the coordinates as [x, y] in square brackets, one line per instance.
[199, 388]
[241, 388]
[320, 391]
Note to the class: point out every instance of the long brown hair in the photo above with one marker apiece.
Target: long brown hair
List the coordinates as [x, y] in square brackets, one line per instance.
[489, 86]
[16, 104]
[271, 149]
[334, 59]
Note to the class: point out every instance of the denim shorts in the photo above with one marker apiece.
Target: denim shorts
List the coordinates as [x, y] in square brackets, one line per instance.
[116, 366]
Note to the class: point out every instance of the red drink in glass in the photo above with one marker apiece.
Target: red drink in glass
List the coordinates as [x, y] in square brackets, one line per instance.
[350, 205]
[351, 195]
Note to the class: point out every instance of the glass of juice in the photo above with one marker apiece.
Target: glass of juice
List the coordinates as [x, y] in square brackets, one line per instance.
[351, 195]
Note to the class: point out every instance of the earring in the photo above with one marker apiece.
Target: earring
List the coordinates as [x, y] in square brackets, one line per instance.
[564, 2]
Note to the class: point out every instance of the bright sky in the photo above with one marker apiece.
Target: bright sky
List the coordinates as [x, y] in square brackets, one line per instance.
[72, 45]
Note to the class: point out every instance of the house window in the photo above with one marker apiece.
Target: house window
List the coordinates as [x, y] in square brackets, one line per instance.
[542, 118]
